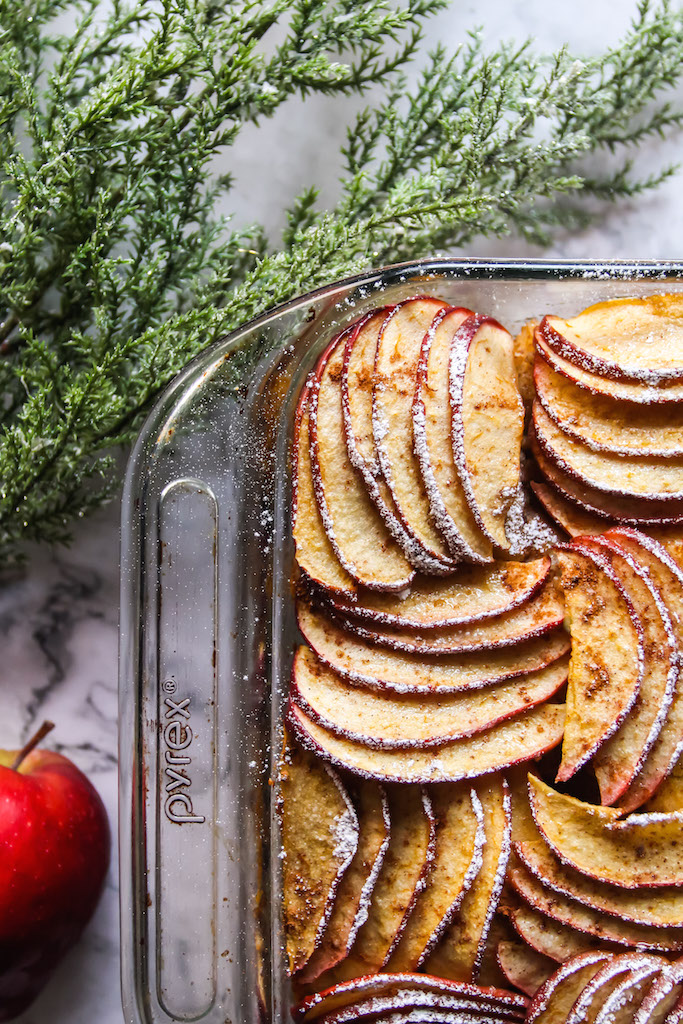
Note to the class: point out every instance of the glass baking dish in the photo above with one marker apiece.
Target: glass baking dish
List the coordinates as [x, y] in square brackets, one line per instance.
[207, 630]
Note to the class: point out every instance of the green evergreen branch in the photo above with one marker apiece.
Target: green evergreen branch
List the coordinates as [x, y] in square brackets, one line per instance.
[115, 267]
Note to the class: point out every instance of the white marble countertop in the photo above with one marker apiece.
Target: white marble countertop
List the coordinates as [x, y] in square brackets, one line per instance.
[58, 616]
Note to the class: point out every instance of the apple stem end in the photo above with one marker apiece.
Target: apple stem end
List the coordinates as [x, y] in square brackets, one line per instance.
[37, 737]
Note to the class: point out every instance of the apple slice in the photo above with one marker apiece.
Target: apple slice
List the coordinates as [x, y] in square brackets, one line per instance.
[625, 339]
[662, 996]
[432, 437]
[606, 424]
[355, 890]
[524, 349]
[550, 937]
[580, 918]
[460, 952]
[356, 389]
[574, 520]
[521, 738]
[387, 722]
[640, 850]
[543, 613]
[646, 478]
[319, 837]
[395, 375]
[555, 998]
[614, 982]
[663, 909]
[607, 654]
[523, 967]
[620, 758]
[360, 538]
[381, 986]
[314, 553]
[487, 422]
[471, 594]
[382, 669]
[669, 795]
[665, 751]
[412, 1006]
[638, 392]
[460, 839]
[403, 874]
[605, 506]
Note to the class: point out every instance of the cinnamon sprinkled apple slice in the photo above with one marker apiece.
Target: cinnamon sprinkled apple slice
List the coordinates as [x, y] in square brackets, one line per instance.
[557, 995]
[623, 755]
[471, 594]
[432, 417]
[395, 373]
[319, 836]
[605, 506]
[487, 423]
[570, 913]
[355, 890]
[387, 722]
[606, 424]
[543, 613]
[349, 993]
[355, 528]
[382, 669]
[615, 980]
[549, 937]
[668, 576]
[415, 1006]
[356, 388]
[403, 874]
[660, 909]
[461, 949]
[662, 996]
[521, 738]
[523, 967]
[607, 654]
[637, 339]
[649, 479]
[314, 552]
[641, 850]
[460, 840]
[638, 392]
[574, 520]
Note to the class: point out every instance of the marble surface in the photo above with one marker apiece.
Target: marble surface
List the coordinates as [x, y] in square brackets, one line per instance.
[58, 617]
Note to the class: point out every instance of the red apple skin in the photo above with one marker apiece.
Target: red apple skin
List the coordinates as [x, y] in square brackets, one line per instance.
[54, 854]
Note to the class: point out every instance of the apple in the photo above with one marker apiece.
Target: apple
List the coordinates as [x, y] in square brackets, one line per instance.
[487, 423]
[563, 913]
[543, 613]
[557, 995]
[460, 839]
[664, 994]
[431, 413]
[523, 967]
[622, 756]
[652, 481]
[522, 738]
[637, 906]
[624, 339]
[356, 395]
[314, 553]
[382, 669]
[460, 952]
[320, 838]
[548, 936]
[607, 646]
[607, 424]
[386, 722]
[492, 1001]
[573, 520]
[394, 379]
[54, 843]
[609, 997]
[356, 888]
[360, 537]
[471, 594]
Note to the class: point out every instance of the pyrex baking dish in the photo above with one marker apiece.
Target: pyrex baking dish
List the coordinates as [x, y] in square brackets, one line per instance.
[207, 630]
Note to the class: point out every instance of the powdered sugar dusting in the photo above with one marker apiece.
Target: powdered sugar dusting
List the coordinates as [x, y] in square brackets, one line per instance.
[369, 885]
[499, 881]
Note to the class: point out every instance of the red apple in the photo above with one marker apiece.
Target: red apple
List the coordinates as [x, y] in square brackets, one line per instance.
[54, 854]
